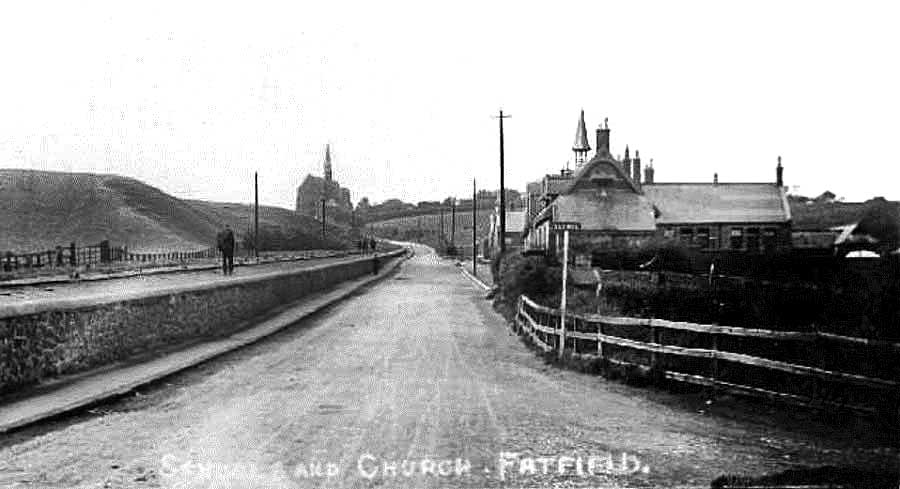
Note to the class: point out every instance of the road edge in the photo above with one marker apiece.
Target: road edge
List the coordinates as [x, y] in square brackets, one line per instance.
[230, 343]
[474, 279]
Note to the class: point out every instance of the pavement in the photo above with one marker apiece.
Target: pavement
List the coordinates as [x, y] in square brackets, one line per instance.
[21, 300]
[417, 382]
[116, 380]
[138, 269]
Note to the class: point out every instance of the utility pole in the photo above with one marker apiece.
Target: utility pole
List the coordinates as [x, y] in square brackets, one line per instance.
[453, 224]
[502, 188]
[323, 221]
[474, 228]
[256, 214]
[442, 227]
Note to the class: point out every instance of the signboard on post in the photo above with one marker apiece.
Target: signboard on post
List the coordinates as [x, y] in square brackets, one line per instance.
[565, 226]
[562, 302]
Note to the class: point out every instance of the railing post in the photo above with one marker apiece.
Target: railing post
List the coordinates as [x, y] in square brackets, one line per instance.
[654, 338]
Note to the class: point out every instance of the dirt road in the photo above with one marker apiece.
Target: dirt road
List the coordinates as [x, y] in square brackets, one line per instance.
[415, 383]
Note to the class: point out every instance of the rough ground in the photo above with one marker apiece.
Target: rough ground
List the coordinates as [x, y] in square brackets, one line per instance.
[418, 368]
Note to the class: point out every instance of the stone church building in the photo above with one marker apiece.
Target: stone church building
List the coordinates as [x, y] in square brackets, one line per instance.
[315, 189]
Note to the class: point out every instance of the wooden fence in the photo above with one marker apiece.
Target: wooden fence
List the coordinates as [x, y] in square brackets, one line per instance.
[809, 368]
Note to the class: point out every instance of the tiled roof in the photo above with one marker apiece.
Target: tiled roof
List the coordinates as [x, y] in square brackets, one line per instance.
[723, 202]
[613, 210]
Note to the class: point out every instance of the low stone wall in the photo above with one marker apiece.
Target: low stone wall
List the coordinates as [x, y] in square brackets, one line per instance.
[38, 341]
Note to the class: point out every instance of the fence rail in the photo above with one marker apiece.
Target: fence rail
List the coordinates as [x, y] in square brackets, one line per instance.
[652, 345]
[104, 254]
[91, 255]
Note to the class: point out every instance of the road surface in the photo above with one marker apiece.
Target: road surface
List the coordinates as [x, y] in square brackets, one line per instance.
[416, 382]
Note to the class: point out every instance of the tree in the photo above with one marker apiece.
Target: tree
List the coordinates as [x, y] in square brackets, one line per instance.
[882, 222]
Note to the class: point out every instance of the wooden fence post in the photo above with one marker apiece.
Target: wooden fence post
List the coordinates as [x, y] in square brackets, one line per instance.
[599, 339]
[654, 338]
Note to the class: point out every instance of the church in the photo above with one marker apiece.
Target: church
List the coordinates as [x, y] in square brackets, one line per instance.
[314, 190]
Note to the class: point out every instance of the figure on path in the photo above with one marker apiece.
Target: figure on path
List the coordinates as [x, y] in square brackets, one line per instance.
[225, 242]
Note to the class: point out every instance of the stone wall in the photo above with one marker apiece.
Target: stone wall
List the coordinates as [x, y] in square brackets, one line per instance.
[64, 338]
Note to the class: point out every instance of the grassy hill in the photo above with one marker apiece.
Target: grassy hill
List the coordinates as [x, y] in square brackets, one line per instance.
[40, 210]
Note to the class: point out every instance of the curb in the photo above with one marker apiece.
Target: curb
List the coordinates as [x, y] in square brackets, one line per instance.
[194, 355]
[475, 279]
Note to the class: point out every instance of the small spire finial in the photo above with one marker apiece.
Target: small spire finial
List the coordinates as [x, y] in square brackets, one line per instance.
[606, 123]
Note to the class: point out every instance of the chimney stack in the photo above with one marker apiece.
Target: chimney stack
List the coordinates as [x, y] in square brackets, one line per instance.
[648, 173]
[603, 139]
[715, 178]
[779, 174]
[636, 167]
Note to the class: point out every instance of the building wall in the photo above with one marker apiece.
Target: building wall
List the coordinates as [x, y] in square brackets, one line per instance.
[747, 237]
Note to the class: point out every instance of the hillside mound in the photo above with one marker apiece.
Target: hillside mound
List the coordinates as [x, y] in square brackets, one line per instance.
[41, 210]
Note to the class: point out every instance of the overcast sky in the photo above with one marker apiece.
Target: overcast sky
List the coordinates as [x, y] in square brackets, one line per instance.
[193, 98]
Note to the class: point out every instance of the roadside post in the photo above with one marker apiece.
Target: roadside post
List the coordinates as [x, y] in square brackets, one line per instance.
[562, 305]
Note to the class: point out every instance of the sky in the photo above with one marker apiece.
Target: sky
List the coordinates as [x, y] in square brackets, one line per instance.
[195, 97]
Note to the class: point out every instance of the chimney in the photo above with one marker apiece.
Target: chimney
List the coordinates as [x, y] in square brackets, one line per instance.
[715, 178]
[636, 167]
[626, 163]
[648, 173]
[779, 174]
[603, 139]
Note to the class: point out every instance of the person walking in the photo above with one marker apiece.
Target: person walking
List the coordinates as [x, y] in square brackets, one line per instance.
[226, 246]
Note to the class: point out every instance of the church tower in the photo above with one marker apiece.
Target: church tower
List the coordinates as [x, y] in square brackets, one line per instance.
[327, 163]
[581, 145]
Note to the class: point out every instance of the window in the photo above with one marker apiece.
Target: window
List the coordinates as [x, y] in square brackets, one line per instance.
[686, 235]
[703, 238]
[770, 239]
[737, 239]
[669, 233]
[752, 239]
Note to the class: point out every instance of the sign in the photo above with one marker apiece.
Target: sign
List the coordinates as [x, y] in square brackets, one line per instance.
[565, 226]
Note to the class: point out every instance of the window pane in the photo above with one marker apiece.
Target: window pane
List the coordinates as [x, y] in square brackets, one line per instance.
[737, 238]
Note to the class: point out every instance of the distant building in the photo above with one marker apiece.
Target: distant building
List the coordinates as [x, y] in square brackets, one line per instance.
[315, 189]
[606, 204]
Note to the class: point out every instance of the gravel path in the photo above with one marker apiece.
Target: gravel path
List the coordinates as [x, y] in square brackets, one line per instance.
[416, 369]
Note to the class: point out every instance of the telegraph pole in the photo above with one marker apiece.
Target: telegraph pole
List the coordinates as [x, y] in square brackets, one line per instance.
[256, 214]
[453, 224]
[474, 228]
[502, 188]
[323, 222]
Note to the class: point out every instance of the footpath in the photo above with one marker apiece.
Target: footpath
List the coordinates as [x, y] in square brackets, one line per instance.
[58, 397]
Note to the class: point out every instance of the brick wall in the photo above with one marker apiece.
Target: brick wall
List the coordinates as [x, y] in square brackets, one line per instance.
[72, 338]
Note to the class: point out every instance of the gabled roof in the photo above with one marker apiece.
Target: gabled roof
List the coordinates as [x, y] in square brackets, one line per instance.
[581, 140]
[602, 210]
[723, 202]
[608, 164]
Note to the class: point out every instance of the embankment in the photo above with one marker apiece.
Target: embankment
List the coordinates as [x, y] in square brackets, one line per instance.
[48, 339]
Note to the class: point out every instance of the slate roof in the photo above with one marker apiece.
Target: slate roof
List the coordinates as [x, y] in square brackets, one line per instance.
[581, 140]
[613, 210]
[724, 202]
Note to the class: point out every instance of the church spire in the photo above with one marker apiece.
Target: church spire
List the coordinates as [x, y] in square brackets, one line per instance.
[581, 145]
[327, 163]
